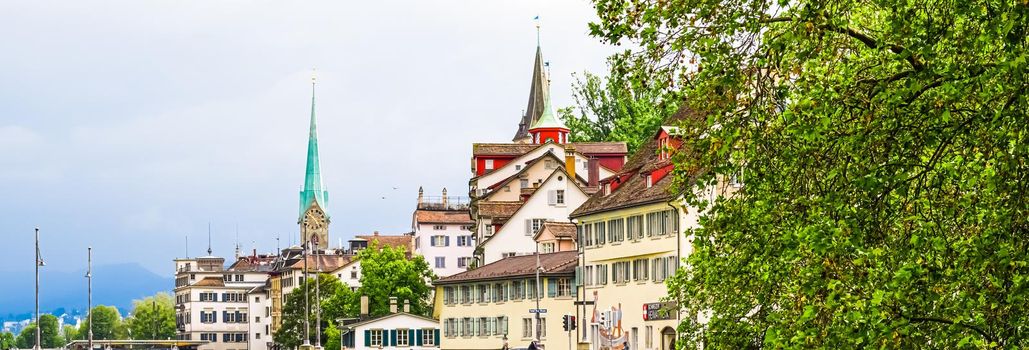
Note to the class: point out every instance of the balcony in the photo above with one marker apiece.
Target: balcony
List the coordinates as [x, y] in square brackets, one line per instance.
[443, 203]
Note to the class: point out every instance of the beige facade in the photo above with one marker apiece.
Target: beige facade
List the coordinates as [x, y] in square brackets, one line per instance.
[628, 254]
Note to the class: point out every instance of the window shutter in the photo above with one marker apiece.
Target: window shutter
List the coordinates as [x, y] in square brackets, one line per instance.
[551, 287]
[418, 337]
[528, 227]
[435, 337]
[411, 339]
[552, 197]
[367, 338]
[446, 241]
[392, 337]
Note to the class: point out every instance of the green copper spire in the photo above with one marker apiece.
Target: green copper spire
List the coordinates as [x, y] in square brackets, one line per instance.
[314, 192]
[548, 119]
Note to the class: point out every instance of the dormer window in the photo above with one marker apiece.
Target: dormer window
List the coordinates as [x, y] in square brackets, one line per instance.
[662, 144]
[650, 181]
[607, 188]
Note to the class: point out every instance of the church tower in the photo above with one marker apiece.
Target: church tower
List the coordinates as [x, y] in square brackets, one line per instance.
[548, 128]
[539, 90]
[314, 199]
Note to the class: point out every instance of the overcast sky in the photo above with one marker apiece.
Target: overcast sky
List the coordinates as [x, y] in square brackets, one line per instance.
[129, 125]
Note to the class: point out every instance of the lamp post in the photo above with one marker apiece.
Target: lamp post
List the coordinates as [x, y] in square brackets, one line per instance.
[89, 297]
[39, 262]
[307, 302]
[317, 298]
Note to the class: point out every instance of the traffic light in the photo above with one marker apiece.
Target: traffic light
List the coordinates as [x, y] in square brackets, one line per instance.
[568, 323]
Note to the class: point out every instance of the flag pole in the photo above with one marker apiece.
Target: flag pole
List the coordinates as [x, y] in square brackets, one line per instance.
[39, 262]
[89, 307]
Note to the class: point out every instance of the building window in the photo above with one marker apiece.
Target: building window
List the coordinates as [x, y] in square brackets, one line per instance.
[547, 248]
[560, 196]
[616, 230]
[483, 328]
[441, 262]
[257, 335]
[635, 338]
[527, 328]
[464, 241]
[464, 261]
[439, 227]
[466, 294]
[353, 273]
[484, 293]
[517, 290]
[375, 337]
[466, 327]
[440, 241]
[533, 225]
[599, 231]
[543, 327]
[650, 181]
[428, 337]
[402, 337]
[635, 227]
[531, 289]
[524, 183]
[564, 287]
[648, 338]
[489, 164]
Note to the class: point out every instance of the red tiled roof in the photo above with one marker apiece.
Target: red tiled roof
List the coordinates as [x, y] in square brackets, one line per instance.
[634, 191]
[443, 217]
[559, 229]
[324, 262]
[502, 149]
[601, 147]
[210, 282]
[502, 209]
[561, 263]
[403, 241]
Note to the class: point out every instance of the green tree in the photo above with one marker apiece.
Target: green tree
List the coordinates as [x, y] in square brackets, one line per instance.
[69, 333]
[291, 333]
[883, 149]
[388, 272]
[617, 107]
[50, 334]
[7, 340]
[107, 324]
[152, 314]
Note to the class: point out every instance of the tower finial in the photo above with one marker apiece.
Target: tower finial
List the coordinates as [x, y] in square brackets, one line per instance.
[209, 251]
[537, 19]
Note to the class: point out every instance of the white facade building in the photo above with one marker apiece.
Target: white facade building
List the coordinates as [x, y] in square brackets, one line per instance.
[443, 233]
[552, 200]
[213, 303]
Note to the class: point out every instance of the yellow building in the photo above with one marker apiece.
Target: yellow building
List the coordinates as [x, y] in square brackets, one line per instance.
[631, 242]
[495, 303]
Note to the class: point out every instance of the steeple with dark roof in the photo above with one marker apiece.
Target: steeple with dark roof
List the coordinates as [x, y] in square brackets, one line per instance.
[314, 199]
[538, 91]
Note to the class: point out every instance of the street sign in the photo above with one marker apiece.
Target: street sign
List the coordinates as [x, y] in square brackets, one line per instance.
[537, 311]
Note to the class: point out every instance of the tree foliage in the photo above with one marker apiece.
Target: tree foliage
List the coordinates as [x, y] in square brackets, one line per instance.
[153, 317]
[388, 272]
[883, 147]
[107, 324]
[69, 333]
[50, 334]
[7, 340]
[291, 333]
[616, 108]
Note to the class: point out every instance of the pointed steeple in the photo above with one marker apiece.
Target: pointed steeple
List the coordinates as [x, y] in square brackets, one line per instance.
[314, 192]
[539, 89]
[548, 119]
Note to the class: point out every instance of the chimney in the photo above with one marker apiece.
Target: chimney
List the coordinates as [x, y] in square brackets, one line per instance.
[594, 171]
[421, 194]
[570, 161]
[407, 306]
[444, 198]
[392, 305]
[364, 307]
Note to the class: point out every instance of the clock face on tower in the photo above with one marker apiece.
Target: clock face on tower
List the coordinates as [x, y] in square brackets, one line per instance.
[315, 228]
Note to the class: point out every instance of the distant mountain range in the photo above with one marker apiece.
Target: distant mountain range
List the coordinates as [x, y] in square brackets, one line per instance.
[65, 291]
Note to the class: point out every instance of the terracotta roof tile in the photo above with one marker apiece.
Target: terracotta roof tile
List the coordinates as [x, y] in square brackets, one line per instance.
[560, 229]
[634, 190]
[502, 209]
[561, 263]
[443, 217]
[601, 147]
[502, 149]
[403, 241]
[210, 282]
[324, 262]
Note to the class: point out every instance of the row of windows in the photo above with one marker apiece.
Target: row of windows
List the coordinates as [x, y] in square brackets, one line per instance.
[444, 241]
[464, 261]
[226, 337]
[633, 228]
[475, 326]
[505, 291]
[226, 297]
[377, 338]
[229, 278]
[639, 270]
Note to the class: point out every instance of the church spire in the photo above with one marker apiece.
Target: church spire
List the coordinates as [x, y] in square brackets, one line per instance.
[314, 192]
[538, 90]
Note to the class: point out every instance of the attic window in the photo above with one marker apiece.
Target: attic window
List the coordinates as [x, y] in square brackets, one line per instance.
[607, 188]
[650, 181]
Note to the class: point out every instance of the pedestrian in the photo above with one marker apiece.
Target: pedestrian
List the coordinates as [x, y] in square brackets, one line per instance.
[625, 346]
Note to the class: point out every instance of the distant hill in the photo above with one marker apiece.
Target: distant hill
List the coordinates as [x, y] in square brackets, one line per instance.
[115, 285]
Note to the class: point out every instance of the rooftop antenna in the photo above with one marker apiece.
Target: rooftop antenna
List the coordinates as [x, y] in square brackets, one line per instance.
[277, 248]
[238, 252]
[187, 246]
[209, 251]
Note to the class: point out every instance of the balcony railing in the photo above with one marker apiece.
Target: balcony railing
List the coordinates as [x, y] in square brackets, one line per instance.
[444, 203]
